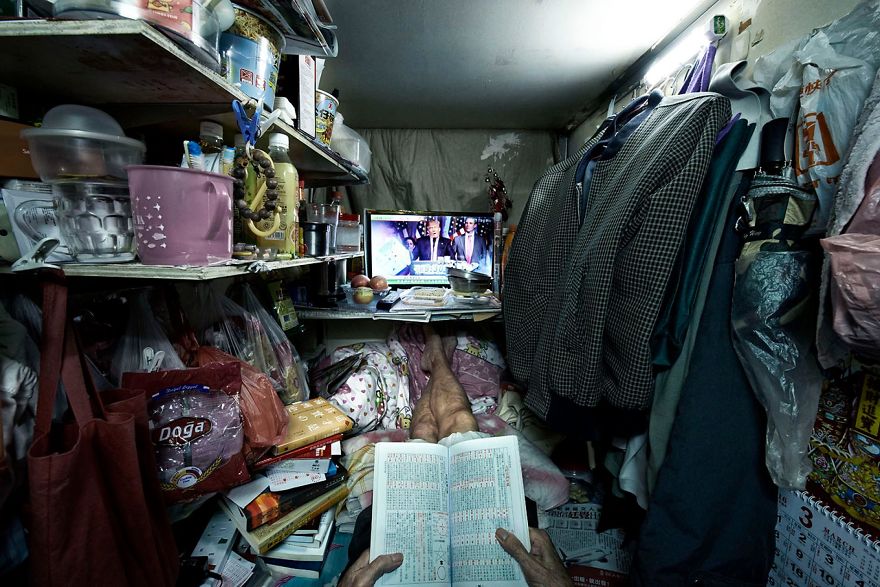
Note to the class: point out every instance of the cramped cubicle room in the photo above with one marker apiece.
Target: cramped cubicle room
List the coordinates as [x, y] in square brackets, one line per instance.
[315, 293]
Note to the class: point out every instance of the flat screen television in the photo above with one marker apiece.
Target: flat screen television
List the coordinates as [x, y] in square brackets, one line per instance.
[415, 248]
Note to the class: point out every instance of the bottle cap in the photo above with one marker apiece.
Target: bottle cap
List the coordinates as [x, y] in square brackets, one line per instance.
[279, 139]
[209, 128]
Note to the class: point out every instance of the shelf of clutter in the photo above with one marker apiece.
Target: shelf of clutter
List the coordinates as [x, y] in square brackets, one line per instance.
[230, 268]
[411, 305]
[141, 77]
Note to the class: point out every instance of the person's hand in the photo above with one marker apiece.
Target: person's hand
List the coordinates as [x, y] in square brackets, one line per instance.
[541, 566]
[363, 573]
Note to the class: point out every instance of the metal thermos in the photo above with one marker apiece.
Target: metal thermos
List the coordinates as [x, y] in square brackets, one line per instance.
[316, 237]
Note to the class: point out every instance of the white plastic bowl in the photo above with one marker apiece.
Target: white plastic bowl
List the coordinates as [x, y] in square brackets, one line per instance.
[81, 143]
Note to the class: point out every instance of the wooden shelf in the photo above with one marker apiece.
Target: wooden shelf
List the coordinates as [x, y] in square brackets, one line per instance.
[138, 75]
[231, 269]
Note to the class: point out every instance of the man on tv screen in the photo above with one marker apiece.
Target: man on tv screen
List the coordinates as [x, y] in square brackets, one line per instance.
[432, 247]
[470, 246]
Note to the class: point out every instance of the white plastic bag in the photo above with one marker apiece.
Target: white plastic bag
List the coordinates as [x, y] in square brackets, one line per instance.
[832, 88]
[144, 347]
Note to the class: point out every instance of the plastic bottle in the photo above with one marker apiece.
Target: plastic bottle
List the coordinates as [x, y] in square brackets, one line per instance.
[303, 216]
[285, 239]
[210, 137]
[211, 141]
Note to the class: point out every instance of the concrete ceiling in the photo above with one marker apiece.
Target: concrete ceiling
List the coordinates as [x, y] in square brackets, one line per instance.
[519, 64]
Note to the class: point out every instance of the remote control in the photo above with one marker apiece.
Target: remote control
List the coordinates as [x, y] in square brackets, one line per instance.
[388, 301]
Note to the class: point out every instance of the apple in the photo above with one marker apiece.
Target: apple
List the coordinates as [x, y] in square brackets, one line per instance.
[362, 295]
[379, 283]
[360, 281]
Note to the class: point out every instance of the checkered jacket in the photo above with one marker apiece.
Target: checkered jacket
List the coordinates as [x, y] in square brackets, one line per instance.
[593, 333]
[539, 254]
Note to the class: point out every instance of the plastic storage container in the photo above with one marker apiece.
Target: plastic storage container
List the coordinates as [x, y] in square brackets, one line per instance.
[181, 216]
[348, 234]
[95, 220]
[193, 27]
[250, 53]
[78, 143]
[350, 144]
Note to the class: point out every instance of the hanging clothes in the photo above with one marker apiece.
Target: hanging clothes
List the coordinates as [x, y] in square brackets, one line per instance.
[713, 510]
[697, 250]
[544, 243]
[597, 349]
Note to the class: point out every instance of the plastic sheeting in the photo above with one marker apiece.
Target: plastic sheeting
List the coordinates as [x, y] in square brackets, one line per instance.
[773, 314]
[425, 169]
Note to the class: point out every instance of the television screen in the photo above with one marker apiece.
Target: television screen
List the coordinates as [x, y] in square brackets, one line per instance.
[415, 248]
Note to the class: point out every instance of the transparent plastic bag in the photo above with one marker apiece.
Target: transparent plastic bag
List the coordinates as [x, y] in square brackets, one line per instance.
[290, 367]
[144, 347]
[827, 90]
[223, 324]
[773, 320]
[773, 317]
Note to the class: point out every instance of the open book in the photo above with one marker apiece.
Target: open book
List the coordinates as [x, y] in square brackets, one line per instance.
[440, 508]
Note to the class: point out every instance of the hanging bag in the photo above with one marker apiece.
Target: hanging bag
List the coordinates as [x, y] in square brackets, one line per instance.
[97, 512]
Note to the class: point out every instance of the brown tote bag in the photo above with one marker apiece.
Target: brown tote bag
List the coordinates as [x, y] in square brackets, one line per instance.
[97, 516]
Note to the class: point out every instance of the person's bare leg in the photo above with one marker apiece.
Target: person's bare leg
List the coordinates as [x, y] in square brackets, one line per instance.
[424, 425]
[448, 402]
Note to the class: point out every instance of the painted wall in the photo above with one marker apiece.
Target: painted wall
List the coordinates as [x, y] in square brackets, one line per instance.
[773, 22]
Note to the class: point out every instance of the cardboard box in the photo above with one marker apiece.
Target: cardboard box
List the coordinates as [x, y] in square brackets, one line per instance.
[304, 100]
[15, 158]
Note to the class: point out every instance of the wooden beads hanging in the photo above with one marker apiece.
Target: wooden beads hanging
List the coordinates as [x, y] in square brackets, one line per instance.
[267, 194]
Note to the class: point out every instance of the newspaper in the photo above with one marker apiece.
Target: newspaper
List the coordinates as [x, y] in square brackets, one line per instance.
[593, 559]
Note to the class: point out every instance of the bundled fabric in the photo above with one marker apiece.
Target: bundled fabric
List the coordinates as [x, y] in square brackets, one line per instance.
[377, 393]
[93, 480]
[608, 276]
[476, 361]
[773, 312]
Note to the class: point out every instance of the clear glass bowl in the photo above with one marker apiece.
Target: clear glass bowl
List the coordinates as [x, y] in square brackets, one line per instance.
[95, 220]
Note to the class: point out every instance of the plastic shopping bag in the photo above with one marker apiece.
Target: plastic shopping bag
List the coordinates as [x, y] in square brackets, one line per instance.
[291, 373]
[832, 88]
[263, 414]
[144, 347]
[855, 291]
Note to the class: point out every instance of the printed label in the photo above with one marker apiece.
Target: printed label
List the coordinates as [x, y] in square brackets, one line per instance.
[186, 478]
[181, 431]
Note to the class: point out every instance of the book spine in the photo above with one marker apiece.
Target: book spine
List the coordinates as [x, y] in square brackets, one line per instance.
[284, 506]
[275, 539]
[316, 450]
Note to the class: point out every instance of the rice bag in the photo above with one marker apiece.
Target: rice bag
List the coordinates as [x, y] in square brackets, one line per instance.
[196, 428]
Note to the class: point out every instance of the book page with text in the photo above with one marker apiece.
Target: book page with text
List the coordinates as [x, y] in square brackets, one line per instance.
[486, 492]
[411, 512]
